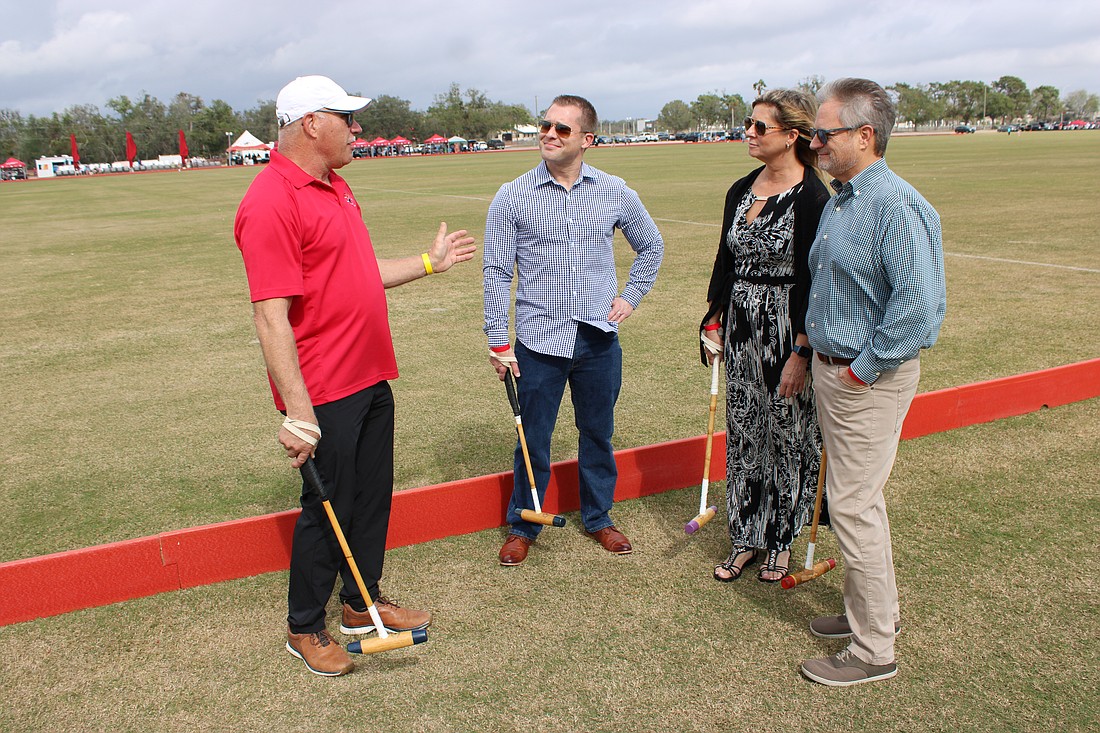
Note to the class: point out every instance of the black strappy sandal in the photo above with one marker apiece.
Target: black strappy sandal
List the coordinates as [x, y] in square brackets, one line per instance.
[770, 566]
[729, 566]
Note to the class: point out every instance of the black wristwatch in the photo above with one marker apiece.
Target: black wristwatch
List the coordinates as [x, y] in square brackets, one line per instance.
[804, 351]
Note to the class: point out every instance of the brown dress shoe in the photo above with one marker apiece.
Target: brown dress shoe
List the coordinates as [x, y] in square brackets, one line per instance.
[394, 618]
[613, 541]
[320, 652]
[514, 550]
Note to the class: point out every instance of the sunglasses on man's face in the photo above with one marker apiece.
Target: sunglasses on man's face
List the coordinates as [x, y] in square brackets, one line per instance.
[347, 117]
[560, 128]
[824, 135]
[760, 126]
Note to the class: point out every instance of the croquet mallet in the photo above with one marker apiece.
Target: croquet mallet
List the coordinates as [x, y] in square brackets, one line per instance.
[706, 513]
[812, 569]
[538, 516]
[385, 640]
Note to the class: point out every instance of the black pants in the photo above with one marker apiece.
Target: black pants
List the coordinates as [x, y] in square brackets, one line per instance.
[355, 458]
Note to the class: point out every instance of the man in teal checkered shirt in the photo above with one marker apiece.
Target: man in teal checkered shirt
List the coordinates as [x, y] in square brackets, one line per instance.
[878, 297]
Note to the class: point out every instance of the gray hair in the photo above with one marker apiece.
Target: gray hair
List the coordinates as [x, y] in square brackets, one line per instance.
[863, 102]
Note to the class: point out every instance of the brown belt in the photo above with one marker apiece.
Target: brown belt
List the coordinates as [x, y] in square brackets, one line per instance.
[834, 360]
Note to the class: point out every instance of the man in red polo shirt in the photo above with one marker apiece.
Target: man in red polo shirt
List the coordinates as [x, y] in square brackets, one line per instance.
[320, 314]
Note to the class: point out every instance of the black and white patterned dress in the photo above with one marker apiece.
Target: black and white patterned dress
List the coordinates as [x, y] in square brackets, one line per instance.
[773, 443]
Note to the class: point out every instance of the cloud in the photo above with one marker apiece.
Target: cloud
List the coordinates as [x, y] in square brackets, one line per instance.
[630, 58]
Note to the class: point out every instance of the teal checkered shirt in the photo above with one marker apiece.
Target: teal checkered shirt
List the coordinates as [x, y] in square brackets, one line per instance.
[879, 293]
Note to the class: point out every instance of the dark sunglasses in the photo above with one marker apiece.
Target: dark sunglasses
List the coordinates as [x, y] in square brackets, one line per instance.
[824, 135]
[560, 128]
[347, 117]
[761, 127]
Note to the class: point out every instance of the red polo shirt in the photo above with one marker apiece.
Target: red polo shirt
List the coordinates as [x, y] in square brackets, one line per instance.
[306, 240]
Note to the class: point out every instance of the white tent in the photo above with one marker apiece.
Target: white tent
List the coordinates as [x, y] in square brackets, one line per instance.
[248, 141]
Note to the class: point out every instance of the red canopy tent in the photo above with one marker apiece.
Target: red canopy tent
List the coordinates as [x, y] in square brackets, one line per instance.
[360, 143]
[13, 163]
[379, 142]
[399, 141]
[435, 140]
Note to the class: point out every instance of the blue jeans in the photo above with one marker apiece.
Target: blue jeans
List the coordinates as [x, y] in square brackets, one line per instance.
[594, 375]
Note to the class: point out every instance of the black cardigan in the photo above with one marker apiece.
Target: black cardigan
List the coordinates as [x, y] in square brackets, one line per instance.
[807, 213]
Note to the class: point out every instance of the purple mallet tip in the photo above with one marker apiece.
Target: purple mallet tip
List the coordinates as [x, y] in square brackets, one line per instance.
[691, 527]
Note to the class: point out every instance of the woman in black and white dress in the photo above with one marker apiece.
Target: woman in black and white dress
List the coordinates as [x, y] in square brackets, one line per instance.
[756, 319]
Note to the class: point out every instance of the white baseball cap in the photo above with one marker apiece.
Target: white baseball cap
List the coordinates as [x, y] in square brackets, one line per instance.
[313, 93]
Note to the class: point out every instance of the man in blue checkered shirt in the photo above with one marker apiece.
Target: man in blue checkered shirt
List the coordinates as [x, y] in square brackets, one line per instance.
[553, 228]
[877, 298]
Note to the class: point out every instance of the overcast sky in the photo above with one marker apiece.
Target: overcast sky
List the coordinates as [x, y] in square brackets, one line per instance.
[628, 58]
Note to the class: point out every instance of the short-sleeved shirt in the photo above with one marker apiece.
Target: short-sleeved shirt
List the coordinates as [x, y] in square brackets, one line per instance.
[304, 239]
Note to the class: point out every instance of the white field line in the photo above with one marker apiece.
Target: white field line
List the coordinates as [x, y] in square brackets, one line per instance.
[713, 225]
[1023, 262]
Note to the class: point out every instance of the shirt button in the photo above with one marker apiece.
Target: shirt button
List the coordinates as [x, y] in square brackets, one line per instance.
[813, 325]
[824, 237]
[837, 208]
[820, 266]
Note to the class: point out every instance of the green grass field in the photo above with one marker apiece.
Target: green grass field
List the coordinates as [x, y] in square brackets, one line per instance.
[136, 396]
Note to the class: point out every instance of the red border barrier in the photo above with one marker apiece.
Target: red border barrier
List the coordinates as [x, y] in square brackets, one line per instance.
[105, 574]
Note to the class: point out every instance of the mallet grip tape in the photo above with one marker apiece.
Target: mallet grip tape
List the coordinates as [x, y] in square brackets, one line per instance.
[313, 478]
[510, 385]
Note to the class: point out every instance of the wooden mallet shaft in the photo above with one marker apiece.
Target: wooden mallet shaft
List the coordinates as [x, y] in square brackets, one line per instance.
[385, 639]
[812, 569]
[706, 513]
[538, 516]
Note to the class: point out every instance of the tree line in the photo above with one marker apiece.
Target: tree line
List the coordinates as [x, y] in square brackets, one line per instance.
[100, 135]
[1006, 100]
[155, 125]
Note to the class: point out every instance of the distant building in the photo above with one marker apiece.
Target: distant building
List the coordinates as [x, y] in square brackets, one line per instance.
[49, 166]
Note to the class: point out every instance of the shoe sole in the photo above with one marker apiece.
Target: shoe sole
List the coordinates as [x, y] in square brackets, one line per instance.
[296, 653]
[848, 683]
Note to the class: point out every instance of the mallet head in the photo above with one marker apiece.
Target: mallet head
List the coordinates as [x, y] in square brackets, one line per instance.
[693, 526]
[544, 518]
[393, 641]
[802, 576]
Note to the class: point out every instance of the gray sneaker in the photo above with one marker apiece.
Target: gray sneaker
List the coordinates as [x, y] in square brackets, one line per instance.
[836, 627]
[845, 669]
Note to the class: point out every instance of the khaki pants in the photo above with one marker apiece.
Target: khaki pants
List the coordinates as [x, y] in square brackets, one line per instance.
[860, 430]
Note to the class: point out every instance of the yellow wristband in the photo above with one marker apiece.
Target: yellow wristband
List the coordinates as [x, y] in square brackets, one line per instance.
[427, 264]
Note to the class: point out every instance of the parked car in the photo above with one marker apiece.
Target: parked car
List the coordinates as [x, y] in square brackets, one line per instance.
[961, 129]
[1008, 128]
[495, 144]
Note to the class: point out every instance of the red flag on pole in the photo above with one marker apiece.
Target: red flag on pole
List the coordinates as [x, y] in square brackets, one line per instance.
[183, 147]
[131, 148]
[75, 151]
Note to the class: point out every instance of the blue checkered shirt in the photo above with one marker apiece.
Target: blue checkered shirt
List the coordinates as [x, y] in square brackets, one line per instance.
[560, 240]
[878, 294]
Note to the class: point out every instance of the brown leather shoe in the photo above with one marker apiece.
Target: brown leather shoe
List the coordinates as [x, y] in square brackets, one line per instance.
[320, 652]
[514, 550]
[613, 541]
[394, 618]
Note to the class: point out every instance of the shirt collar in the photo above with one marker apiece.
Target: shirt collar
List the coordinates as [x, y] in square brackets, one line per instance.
[862, 180]
[542, 174]
[297, 177]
